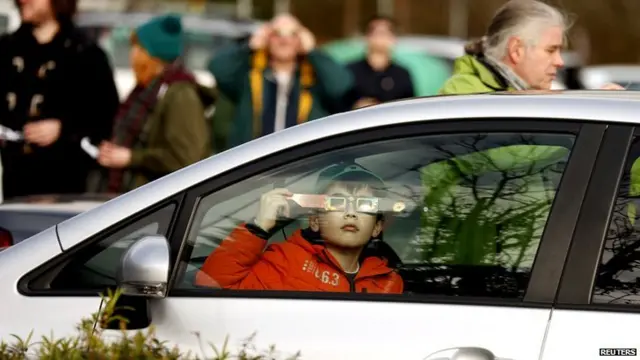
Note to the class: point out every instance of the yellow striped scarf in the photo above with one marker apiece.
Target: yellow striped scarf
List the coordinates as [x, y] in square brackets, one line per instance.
[305, 101]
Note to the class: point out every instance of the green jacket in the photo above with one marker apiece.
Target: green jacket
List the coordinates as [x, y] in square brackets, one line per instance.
[177, 132]
[231, 69]
[470, 76]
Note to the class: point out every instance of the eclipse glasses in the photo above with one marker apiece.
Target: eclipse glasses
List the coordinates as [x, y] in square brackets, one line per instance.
[361, 204]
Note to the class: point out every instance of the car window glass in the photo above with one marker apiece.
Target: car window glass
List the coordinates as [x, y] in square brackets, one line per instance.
[474, 207]
[619, 268]
[95, 267]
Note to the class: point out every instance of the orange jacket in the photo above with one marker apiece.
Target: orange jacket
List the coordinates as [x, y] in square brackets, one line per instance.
[241, 262]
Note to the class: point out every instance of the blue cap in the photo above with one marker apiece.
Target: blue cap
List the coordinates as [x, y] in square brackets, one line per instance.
[347, 172]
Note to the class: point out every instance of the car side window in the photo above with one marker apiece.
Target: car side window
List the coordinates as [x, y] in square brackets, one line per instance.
[618, 273]
[95, 267]
[459, 214]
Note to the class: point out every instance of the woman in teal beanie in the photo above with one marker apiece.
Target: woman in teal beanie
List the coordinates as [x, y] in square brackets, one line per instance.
[161, 127]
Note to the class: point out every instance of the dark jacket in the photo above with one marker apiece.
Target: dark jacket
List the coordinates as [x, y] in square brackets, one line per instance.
[231, 68]
[69, 79]
[392, 83]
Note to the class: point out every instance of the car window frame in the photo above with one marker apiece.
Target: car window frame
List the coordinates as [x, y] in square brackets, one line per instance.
[576, 289]
[543, 284]
[23, 284]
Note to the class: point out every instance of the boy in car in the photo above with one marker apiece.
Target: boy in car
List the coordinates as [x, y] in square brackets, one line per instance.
[328, 256]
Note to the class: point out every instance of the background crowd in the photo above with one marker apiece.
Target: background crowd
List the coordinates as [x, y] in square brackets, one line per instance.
[63, 98]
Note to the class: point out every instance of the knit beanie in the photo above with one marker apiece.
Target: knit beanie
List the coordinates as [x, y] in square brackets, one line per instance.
[162, 37]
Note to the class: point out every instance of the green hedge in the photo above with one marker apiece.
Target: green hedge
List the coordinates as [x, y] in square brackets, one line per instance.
[89, 344]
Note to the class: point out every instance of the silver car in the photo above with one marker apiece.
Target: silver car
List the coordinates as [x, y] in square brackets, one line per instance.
[519, 239]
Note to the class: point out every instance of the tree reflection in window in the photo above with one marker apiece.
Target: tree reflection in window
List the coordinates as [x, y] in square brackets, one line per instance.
[619, 271]
[485, 212]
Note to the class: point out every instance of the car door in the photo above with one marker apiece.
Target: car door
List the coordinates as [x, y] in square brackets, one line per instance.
[489, 210]
[597, 311]
[69, 283]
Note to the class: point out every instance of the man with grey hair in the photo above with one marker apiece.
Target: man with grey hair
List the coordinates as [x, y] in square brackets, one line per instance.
[520, 51]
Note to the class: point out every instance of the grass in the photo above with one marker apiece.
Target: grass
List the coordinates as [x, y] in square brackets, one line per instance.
[89, 343]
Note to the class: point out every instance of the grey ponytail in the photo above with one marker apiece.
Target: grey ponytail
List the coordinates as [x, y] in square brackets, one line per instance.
[476, 46]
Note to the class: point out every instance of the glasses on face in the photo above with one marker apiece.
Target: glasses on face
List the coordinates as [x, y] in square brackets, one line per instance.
[362, 204]
[366, 205]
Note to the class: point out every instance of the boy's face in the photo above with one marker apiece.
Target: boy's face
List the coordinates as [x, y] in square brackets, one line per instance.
[347, 228]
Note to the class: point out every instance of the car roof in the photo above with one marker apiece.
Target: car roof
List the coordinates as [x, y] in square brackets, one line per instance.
[55, 203]
[592, 105]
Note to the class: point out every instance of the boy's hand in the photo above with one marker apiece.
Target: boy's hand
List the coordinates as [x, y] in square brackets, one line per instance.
[272, 204]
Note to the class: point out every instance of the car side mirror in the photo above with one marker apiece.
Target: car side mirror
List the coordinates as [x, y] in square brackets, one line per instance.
[144, 268]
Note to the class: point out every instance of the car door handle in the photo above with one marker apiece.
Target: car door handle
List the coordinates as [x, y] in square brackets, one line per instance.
[463, 353]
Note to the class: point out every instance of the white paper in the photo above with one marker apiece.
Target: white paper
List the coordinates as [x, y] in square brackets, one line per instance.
[89, 148]
[10, 135]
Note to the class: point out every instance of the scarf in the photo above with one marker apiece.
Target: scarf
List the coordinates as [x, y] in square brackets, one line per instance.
[130, 121]
[512, 79]
[259, 61]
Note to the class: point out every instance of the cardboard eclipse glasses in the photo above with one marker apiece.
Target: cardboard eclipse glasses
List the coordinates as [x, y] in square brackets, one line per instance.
[361, 204]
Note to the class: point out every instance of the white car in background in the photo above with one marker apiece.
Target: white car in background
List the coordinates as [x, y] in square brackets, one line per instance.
[626, 75]
[23, 217]
[9, 17]
[204, 36]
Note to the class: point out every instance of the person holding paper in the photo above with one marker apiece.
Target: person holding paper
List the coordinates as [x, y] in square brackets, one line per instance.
[57, 87]
[162, 125]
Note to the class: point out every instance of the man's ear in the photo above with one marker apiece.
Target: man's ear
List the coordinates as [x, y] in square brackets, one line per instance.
[377, 228]
[314, 223]
[515, 49]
